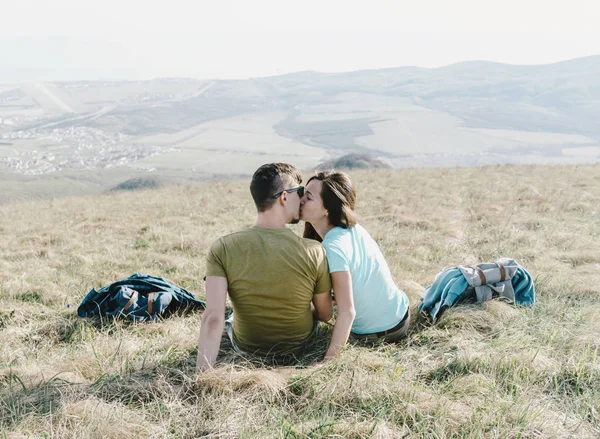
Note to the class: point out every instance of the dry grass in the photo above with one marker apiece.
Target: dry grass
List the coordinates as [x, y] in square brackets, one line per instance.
[489, 370]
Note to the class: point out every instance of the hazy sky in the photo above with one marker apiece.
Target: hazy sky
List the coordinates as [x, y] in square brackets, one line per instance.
[134, 39]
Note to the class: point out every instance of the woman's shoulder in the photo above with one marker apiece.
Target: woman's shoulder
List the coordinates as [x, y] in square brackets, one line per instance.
[340, 236]
[337, 233]
[356, 229]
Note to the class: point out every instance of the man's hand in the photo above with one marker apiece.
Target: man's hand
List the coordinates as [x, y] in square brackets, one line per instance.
[213, 321]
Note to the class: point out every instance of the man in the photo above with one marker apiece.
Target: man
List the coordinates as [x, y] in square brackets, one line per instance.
[271, 274]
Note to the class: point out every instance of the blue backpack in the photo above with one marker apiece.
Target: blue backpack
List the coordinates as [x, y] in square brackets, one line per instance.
[140, 297]
[504, 278]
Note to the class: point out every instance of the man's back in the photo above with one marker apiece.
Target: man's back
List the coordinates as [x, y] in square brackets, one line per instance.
[272, 275]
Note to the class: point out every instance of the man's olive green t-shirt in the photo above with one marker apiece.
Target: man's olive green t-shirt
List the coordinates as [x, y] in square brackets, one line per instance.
[272, 275]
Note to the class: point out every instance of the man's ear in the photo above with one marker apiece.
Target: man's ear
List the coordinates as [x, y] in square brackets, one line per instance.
[282, 198]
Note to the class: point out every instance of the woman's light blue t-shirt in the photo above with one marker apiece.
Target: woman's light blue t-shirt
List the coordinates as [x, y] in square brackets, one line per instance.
[379, 303]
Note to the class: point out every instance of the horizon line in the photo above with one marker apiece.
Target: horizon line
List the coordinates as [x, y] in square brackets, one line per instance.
[318, 72]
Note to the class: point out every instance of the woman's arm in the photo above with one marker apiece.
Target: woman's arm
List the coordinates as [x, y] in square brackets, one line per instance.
[322, 307]
[342, 289]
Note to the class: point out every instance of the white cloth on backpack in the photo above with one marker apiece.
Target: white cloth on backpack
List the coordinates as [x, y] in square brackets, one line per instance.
[488, 277]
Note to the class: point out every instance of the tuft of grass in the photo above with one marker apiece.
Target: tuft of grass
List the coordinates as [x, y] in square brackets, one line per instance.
[30, 296]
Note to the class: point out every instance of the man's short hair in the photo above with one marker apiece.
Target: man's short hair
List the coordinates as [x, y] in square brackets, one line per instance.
[270, 179]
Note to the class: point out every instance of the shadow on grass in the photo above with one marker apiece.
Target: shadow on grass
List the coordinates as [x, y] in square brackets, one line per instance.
[107, 324]
[312, 353]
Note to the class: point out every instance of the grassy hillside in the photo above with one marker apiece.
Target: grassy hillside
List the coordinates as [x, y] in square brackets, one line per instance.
[488, 370]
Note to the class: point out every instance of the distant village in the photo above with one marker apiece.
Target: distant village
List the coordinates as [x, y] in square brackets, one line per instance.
[75, 148]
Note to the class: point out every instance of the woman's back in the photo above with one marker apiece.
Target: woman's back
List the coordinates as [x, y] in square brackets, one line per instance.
[378, 302]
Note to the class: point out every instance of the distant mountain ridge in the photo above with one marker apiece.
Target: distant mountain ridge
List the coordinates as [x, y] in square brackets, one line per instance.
[465, 114]
[465, 89]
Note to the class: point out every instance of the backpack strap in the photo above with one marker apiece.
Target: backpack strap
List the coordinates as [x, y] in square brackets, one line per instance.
[480, 273]
[132, 300]
[150, 299]
[502, 271]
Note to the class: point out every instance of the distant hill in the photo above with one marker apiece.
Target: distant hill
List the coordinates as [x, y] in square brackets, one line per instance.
[466, 114]
[134, 184]
[353, 161]
[554, 96]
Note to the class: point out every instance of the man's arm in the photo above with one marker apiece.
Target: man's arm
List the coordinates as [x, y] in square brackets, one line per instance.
[342, 288]
[213, 321]
[323, 308]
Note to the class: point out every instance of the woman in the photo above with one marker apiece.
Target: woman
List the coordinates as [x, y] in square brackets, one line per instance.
[370, 305]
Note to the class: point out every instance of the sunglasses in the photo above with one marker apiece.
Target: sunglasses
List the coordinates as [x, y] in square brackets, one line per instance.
[299, 189]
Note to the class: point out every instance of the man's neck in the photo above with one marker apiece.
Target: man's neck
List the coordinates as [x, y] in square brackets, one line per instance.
[270, 220]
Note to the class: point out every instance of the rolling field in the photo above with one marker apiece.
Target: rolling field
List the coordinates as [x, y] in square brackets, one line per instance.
[483, 371]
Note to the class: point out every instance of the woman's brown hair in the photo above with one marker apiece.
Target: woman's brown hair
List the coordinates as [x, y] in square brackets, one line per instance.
[339, 198]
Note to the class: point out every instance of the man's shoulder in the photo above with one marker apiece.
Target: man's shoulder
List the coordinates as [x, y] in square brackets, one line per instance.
[274, 235]
[307, 245]
[310, 245]
[286, 236]
[224, 242]
[234, 236]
